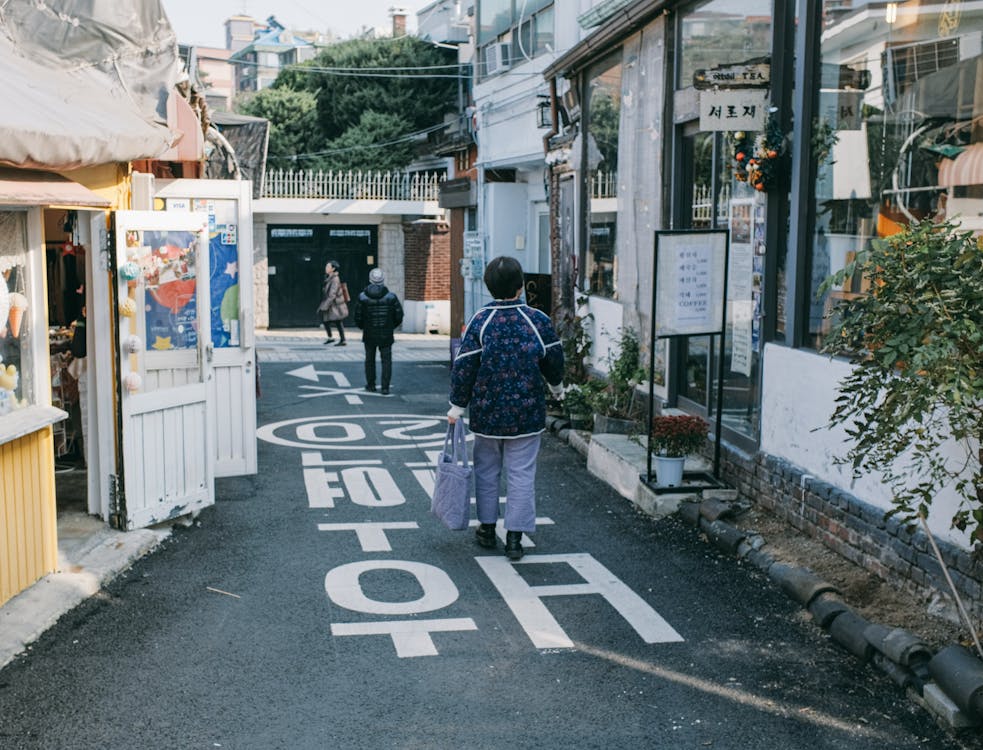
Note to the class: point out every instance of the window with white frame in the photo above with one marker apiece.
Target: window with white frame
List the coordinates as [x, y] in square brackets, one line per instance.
[511, 32]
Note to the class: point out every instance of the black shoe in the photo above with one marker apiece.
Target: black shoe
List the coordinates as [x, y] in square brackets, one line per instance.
[513, 545]
[385, 390]
[328, 342]
[485, 535]
[341, 343]
[371, 388]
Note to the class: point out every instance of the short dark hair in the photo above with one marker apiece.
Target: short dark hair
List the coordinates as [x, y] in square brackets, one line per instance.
[335, 265]
[503, 277]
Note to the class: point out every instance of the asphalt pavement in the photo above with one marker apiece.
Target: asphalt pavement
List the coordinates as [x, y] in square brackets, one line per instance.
[319, 604]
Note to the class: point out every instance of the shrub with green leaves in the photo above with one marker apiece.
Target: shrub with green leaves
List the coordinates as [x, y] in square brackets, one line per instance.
[617, 397]
[916, 342]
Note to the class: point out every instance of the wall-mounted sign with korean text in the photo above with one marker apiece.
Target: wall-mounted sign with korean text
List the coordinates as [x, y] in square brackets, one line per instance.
[690, 282]
[746, 75]
[733, 109]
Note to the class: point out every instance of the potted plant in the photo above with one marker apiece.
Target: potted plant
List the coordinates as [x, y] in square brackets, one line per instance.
[614, 402]
[577, 400]
[578, 386]
[675, 436]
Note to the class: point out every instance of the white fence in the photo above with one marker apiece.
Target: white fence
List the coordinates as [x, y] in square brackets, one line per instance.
[604, 184]
[703, 206]
[351, 185]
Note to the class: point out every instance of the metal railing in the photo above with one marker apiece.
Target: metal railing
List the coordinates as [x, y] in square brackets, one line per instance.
[352, 185]
[604, 184]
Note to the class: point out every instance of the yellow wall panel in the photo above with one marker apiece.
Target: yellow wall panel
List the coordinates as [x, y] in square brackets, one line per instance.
[28, 512]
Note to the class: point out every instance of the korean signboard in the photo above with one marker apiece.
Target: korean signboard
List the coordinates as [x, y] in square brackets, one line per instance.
[733, 109]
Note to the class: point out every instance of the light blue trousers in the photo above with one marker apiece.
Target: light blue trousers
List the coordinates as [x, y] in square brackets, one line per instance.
[518, 458]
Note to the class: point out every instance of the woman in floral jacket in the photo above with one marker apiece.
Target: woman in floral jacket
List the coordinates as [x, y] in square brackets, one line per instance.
[507, 351]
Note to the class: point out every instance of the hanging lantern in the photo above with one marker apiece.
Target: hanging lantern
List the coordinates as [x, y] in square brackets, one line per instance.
[130, 270]
[133, 382]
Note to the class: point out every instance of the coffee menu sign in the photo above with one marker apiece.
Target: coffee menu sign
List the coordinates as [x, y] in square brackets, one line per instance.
[690, 282]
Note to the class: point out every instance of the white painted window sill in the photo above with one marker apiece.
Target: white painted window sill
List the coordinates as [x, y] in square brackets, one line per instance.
[30, 419]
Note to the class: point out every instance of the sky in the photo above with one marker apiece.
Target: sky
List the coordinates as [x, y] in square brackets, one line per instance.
[201, 22]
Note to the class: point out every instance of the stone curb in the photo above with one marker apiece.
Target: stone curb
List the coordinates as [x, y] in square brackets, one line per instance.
[947, 684]
[956, 694]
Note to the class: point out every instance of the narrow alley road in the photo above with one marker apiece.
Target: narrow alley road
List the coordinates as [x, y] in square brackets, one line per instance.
[319, 605]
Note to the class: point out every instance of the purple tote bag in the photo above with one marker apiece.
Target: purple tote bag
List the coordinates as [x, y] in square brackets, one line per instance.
[451, 501]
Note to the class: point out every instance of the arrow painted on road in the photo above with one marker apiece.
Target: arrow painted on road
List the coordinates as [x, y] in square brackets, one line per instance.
[309, 373]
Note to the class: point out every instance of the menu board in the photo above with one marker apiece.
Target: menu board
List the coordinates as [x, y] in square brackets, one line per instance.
[690, 280]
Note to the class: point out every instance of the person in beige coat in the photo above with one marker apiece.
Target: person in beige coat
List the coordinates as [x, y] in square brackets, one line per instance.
[333, 308]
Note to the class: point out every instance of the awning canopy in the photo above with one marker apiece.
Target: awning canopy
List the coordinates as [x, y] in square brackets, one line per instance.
[85, 83]
[965, 169]
[30, 187]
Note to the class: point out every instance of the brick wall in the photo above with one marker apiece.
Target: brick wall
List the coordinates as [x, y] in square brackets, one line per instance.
[900, 555]
[427, 255]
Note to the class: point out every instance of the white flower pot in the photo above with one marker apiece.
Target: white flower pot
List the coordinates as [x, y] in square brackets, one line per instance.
[669, 470]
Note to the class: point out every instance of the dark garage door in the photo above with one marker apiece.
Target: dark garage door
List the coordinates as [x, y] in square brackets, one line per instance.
[297, 256]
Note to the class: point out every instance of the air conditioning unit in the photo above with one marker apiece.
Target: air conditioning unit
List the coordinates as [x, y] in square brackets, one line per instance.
[498, 57]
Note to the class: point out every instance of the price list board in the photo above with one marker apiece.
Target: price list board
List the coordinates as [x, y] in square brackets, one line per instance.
[690, 282]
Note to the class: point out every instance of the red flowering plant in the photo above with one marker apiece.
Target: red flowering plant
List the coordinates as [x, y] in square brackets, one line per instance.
[677, 435]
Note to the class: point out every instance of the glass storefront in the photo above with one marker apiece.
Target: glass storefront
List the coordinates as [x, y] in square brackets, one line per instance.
[898, 131]
[16, 368]
[718, 184]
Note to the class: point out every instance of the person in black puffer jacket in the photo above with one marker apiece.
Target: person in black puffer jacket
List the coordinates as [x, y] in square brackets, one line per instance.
[378, 313]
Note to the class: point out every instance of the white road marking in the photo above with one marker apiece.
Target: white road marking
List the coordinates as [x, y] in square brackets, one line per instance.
[320, 493]
[372, 486]
[345, 589]
[543, 630]
[371, 536]
[410, 637]
[309, 373]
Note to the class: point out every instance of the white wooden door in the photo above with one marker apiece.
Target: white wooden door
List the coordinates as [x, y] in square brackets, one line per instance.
[100, 370]
[232, 397]
[164, 338]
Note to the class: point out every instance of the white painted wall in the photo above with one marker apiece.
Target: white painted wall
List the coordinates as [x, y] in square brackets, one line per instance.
[799, 389]
[426, 317]
[603, 329]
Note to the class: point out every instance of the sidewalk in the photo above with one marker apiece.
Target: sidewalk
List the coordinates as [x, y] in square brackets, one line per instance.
[307, 345]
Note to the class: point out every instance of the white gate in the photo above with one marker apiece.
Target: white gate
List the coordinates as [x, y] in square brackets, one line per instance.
[164, 338]
[232, 396]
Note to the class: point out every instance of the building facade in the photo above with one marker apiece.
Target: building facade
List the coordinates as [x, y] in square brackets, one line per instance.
[806, 130]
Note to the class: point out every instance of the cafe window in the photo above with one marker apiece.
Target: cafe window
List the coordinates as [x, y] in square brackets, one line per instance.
[603, 102]
[722, 32]
[723, 70]
[898, 132]
[16, 367]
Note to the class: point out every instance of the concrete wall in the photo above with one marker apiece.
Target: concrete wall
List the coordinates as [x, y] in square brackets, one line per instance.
[799, 391]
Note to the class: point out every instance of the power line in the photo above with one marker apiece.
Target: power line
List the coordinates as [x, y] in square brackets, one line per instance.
[369, 72]
[346, 149]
